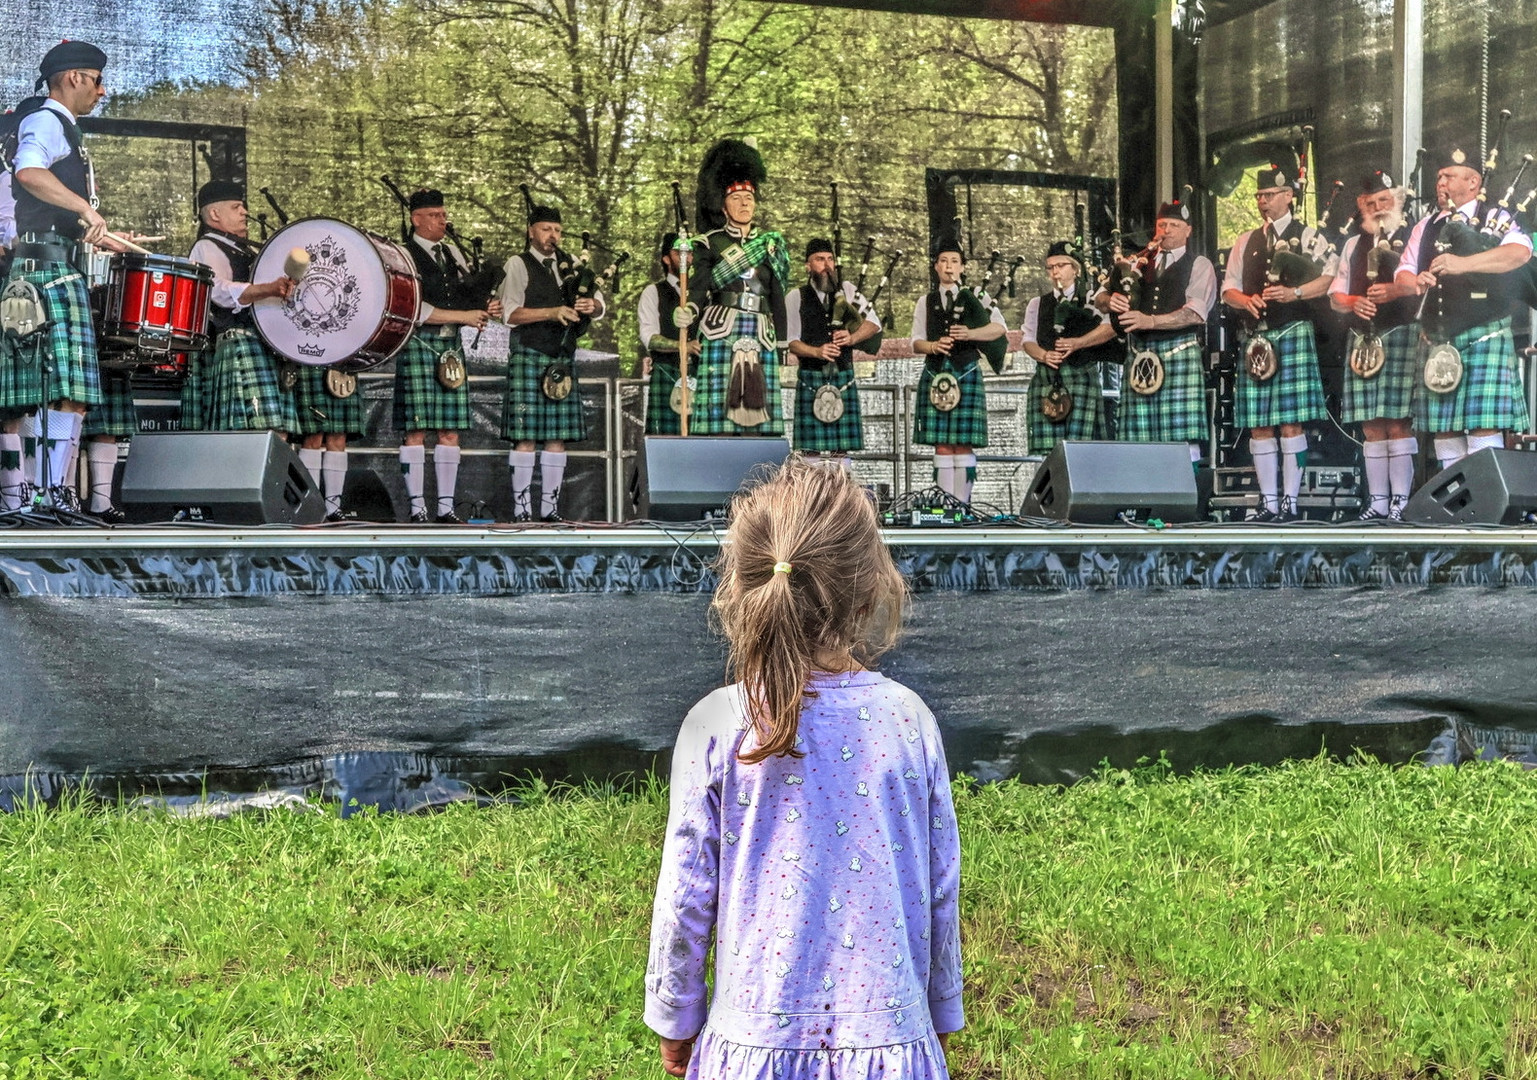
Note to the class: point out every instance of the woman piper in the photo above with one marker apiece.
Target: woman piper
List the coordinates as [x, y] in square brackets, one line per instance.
[738, 283]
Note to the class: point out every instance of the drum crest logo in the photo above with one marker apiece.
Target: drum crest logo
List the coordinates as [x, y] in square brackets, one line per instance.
[327, 297]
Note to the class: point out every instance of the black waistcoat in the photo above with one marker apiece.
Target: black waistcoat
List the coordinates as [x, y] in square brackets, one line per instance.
[817, 329]
[1395, 312]
[542, 292]
[242, 257]
[439, 289]
[1046, 335]
[33, 215]
[940, 319]
[1166, 292]
[1465, 300]
[1256, 260]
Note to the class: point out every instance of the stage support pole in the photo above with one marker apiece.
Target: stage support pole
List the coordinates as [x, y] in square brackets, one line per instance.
[1409, 88]
[1163, 48]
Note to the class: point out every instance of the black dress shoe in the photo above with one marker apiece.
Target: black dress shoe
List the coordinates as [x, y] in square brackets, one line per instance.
[335, 516]
[1262, 516]
[112, 515]
[1288, 513]
[1371, 515]
[418, 518]
[552, 519]
[449, 518]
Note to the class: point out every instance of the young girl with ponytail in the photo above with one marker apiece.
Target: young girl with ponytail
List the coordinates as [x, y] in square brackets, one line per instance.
[811, 836]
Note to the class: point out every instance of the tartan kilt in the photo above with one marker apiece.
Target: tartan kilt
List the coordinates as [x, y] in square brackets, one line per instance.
[1177, 412]
[1389, 394]
[115, 415]
[1086, 421]
[529, 416]
[316, 412]
[71, 342]
[660, 419]
[1294, 394]
[239, 386]
[1489, 395]
[21, 384]
[847, 433]
[964, 425]
[421, 402]
[714, 382]
[194, 392]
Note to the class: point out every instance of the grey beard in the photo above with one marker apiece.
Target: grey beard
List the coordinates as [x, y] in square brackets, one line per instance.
[824, 283]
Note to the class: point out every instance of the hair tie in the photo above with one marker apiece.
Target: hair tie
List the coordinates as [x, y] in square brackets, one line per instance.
[782, 568]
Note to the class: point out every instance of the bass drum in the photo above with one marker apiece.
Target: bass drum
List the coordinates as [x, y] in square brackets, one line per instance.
[353, 309]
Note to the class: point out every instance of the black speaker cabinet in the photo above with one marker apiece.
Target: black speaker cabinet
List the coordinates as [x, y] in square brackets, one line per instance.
[1490, 487]
[1095, 483]
[230, 477]
[690, 478]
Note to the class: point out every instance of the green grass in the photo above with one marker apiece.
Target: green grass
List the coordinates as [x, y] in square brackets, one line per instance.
[1315, 919]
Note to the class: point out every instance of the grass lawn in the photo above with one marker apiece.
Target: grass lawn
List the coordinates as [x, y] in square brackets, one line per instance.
[1310, 920]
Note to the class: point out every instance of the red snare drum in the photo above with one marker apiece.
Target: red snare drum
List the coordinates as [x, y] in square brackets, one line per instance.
[157, 304]
[355, 306]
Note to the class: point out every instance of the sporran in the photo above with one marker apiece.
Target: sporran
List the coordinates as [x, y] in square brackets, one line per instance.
[1146, 375]
[555, 383]
[1443, 369]
[945, 392]
[451, 372]
[341, 384]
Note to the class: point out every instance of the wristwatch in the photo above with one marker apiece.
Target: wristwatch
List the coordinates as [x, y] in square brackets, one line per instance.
[1297, 292]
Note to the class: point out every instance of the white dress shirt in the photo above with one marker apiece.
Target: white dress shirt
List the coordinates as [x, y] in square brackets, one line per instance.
[1031, 325]
[226, 291]
[793, 309]
[1409, 263]
[921, 315]
[649, 312]
[515, 287]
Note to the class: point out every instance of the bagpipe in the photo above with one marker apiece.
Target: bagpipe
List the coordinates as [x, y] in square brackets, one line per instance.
[840, 312]
[1072, 318]
[469, 289]
[973, 309]
[580, 278]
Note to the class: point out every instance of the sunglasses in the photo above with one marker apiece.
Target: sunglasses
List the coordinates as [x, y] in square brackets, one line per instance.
[95, 79]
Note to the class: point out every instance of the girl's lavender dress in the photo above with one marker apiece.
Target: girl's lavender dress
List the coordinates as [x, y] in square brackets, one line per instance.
[829, 882]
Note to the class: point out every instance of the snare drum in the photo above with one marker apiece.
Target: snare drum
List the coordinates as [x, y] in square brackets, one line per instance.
[355, 306]
[156, 304]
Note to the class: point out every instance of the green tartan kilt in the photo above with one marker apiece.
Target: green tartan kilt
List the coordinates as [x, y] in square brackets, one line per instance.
[70, 342]
[1294, 394]
[714, 383]
[1177, 412]
[1489, 395]
[847, 433]
[421, 402]
[964, 425]
[316, 412]
[660, 419]
[115, 415]
[21, 384]
[1389, 394]
[529, 416]
[238, 387]
[1086, 421]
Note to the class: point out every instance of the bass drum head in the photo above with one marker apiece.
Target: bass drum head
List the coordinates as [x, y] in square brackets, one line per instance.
[335, 310]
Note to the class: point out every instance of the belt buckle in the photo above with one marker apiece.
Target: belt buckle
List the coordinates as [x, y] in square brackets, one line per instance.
[751, 302]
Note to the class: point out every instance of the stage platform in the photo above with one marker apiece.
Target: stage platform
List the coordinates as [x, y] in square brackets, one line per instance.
[407, 665]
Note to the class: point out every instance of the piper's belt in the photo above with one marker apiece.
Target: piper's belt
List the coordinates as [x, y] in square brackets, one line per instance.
[45, 251]
[749, 302]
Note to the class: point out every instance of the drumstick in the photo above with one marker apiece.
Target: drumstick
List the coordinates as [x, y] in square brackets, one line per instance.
[127, 243]
[297, 264]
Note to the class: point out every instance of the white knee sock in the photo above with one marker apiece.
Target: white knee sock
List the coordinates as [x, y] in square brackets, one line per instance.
[311, 459]
[552, 470]
[1195, 453]
[333, 477]
[413, 470]
[1484, 442]
[965, 475]
[522, 464]
[1377, 482]
[28, 446]
[62, 429]
[1265, 452]
[11, 475]
[445, 463]
[1401, 454]
[1451, 449]
[944, 473]
[1294, 450]
[102, 457]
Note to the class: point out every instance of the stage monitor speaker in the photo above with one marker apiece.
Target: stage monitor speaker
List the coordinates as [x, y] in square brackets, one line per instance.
[229, 477]
[689, 479]
[1490, 487]
[1096, 483]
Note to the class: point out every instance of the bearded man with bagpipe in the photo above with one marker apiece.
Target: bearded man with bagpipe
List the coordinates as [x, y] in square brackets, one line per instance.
[1273, 274]
[1384, 348]
[1068, 338]
[1467, 262]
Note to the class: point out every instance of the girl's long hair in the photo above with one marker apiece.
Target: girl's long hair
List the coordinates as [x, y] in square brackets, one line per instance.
[841, 596]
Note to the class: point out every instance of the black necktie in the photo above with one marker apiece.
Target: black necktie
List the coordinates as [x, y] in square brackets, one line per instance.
[549, 264]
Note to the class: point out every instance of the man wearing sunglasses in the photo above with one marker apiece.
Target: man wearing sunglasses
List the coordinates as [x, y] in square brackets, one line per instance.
[55, 191]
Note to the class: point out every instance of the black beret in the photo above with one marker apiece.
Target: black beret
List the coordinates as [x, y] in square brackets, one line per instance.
[72, 56]
[1062, 249]
[1271, 176]
[424, 199]
[540, 214]
[817, 246]
[1173, 209]
[669, 241]
[946, 243]
[1376, 181]
[1458, 158]
[217, 191]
